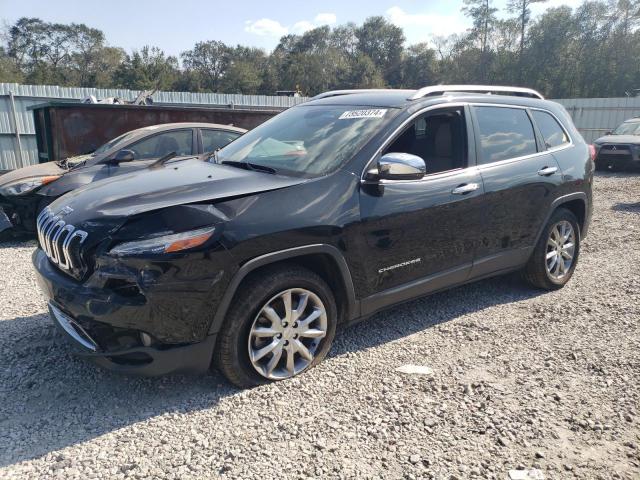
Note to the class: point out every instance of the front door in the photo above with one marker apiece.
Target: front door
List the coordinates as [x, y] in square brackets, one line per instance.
[418, 236]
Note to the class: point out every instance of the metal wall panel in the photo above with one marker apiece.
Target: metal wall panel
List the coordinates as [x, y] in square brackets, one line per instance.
[596, 116]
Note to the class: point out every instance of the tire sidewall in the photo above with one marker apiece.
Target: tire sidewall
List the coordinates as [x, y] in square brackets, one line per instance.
[245, 322]
[558, 216]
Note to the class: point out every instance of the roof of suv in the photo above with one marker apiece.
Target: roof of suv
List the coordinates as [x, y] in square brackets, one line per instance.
[394, 98]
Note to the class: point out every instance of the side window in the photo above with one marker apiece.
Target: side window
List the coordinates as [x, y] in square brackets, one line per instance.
[553, 134]
[179, 141]
[504, 133]
[215, 139]
[439, 138]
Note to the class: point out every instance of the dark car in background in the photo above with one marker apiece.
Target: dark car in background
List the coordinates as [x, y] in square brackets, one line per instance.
[329, 212]
[619, 149]
[26, 191]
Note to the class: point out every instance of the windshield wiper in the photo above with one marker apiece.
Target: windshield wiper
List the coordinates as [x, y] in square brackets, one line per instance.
[256, 167]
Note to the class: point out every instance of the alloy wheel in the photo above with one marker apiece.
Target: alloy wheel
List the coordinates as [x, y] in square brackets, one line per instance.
[286, 333]
[561, 247]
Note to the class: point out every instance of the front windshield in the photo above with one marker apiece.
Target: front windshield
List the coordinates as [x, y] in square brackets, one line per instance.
[307, 140]
[112, 143]
[628, 128]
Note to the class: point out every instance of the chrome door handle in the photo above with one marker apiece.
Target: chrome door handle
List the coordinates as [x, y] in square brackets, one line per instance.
[546, 171]
[466, 188]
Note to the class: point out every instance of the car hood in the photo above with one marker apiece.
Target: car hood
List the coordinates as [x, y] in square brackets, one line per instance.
[175, 183]
[621, 139]
[39, 170]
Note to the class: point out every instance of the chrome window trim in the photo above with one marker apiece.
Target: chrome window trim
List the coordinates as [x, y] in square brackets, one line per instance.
[566, 132]
[532, 155]
[392, 137]
[477, 166]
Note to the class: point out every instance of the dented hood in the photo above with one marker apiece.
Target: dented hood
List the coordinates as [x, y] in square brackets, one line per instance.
[175, 183]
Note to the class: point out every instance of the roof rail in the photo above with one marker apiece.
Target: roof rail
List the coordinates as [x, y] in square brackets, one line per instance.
[336, 93]
[488, 89]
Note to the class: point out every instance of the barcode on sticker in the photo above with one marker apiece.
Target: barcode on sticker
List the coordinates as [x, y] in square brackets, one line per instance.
[371, 113]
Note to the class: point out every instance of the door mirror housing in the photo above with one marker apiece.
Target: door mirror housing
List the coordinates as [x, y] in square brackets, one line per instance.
[122, 156]
[398, 166]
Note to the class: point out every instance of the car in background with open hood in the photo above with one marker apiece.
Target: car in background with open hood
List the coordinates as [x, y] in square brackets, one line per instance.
[26, 191]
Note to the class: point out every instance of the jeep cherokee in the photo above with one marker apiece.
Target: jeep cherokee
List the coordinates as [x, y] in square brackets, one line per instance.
[325, 214]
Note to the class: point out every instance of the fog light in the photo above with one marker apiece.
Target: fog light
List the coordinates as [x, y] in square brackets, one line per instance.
[146, 339]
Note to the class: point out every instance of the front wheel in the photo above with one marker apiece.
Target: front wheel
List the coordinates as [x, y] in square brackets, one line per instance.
[282, 323]
[555, 257]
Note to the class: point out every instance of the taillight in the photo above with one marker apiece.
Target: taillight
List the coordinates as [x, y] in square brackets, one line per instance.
[592, 152]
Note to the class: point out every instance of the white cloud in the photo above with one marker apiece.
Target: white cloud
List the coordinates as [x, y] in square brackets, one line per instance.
[420, 27]
[302, 26]
[325, 19]
[265, 27]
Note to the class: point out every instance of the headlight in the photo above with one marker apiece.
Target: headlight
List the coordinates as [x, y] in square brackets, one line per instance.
[165, 244]
[22, 186]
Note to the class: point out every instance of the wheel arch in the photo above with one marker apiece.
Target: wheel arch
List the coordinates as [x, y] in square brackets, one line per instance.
[576, 203]
[325, 260]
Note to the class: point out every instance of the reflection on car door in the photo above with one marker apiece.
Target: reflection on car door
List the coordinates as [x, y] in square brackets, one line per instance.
[520, 181]
[419, 236]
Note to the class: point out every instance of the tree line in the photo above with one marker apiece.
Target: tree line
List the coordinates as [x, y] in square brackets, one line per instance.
[590, 51]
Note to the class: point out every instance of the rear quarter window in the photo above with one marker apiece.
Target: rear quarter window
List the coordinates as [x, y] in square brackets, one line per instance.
[552, 132]
[505, 133]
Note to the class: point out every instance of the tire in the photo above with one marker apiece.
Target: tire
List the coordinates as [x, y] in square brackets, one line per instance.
[239, 334]
[536, 272]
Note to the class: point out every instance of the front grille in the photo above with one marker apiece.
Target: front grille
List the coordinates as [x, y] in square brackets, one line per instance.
[60, 241]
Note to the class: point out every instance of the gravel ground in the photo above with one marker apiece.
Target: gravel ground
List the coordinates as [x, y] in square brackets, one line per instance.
[520, 380]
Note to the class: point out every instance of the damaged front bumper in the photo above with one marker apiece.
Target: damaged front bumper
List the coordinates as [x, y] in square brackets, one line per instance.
[161, 327]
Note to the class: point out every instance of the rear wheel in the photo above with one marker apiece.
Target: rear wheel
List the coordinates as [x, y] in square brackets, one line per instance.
[281, 324]
[555, 256]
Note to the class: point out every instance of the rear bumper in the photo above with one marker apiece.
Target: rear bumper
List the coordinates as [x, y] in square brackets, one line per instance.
[72, 308]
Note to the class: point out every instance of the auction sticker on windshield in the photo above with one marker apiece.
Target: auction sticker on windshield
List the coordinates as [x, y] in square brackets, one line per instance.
[371, 113]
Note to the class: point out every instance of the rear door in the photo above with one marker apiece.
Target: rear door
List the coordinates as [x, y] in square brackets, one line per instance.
[420, 235]
[520, 179]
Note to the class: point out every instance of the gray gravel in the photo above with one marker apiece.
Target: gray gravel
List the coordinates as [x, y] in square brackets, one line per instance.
[520, 380]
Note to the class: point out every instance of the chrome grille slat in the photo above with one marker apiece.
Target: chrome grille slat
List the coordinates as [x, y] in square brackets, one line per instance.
[53, 241]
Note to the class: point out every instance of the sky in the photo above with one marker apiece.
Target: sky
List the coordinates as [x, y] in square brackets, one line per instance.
[175, 26]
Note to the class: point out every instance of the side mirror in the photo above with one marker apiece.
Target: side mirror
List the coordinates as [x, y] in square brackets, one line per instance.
[122, 156]
[609, 132]
[398, 166]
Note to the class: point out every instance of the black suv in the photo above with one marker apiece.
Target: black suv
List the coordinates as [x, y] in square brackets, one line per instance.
[325, 214]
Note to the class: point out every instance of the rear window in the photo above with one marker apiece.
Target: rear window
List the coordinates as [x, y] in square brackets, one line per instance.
[504, 133]
[553, 134]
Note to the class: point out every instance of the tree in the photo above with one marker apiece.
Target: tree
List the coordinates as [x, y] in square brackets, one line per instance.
[383, 43]
[484, 19]
[9, 70]
[147, 69]
[523, 11]
[209, 61]
[419, 66]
